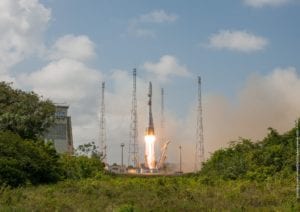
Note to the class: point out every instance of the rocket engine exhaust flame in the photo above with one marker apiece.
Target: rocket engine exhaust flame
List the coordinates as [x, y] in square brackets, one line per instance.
[149, 151]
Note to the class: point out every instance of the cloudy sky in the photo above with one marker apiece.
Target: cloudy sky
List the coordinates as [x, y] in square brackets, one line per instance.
[246, 51]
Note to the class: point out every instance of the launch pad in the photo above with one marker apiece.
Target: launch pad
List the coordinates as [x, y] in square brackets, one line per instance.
[151, 164]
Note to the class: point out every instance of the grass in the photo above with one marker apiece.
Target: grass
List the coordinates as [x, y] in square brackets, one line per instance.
[124, 193]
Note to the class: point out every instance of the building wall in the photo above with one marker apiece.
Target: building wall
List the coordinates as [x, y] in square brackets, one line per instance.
[61, 132]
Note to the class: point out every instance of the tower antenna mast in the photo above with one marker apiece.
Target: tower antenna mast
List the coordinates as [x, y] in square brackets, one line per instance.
[162, 120]
[199, 156]
[133, 156]
[102, 136]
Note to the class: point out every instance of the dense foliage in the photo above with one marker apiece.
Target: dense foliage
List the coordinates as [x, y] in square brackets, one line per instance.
[24, 113]
[35, 162]
[88, 149]
[25, 158]
[274, 155]
[80, 167]
[27, 161]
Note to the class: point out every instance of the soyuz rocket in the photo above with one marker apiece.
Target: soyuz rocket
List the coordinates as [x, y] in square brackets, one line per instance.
[150, 161]
[150, 128]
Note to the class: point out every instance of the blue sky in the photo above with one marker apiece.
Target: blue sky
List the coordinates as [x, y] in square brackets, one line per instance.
[107, 22]
[246, 52]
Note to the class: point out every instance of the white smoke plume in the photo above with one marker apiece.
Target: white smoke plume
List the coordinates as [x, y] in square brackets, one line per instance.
[270, 100]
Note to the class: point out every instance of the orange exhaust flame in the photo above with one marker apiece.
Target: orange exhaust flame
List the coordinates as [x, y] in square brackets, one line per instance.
[149, 151]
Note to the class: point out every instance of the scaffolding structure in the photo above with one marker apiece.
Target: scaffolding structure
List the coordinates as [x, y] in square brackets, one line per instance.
[102, 132]
[162, 119]
[199, 155]
[133, 147]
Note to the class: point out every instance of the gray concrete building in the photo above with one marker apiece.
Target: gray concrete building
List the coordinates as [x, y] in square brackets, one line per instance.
[61, 132]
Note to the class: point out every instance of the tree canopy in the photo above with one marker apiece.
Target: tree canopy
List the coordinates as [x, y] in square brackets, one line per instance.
[26, 161]
[24, 113]
[244, 159]
[24, 155]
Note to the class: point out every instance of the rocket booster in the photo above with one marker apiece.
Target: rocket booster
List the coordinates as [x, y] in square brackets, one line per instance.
[150, 128]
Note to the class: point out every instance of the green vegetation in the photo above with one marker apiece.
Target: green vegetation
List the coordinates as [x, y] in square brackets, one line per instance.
[25, 159]
[35, 162]
[274, 155]
[80, 167]
[24, 156]
[24, 113]
[247, 176]
[181, 193]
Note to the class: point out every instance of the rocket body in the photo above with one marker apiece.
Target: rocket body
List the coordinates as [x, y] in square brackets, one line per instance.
[150, 128]
[150, 135]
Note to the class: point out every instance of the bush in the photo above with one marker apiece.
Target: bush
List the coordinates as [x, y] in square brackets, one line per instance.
[79, 167]
[26, 161]
[254, 161]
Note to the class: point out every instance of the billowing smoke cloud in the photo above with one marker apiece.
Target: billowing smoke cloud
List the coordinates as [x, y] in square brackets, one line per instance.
[270, 100]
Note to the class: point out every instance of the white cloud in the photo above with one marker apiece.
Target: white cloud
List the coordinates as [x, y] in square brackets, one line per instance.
[146, 33]
[141, 32]
[72, 47]
[166, 67]
[22, 24]
[237, 40]
[63, 80]
[140, 26]
[70, 82]
[157, 16]
[67, 78]
[262, 3]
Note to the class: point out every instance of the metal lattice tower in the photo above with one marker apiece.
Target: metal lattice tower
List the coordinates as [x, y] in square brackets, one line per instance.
[133, 156]
[102, 133]
[199, 156]
[162, 118]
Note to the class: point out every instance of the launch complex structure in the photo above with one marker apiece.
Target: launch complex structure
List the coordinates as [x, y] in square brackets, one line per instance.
[150, 164]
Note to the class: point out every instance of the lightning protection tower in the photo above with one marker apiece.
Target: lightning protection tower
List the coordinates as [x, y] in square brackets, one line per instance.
[102, 134]
[162, 119]
[199, 156]
[133, 156]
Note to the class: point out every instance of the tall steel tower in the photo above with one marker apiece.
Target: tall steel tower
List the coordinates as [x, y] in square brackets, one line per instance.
[162, 118]
[102, 133]
[199, 156]
[133, 156]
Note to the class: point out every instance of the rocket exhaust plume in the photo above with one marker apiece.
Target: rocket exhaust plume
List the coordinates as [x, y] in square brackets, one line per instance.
[150, 136]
